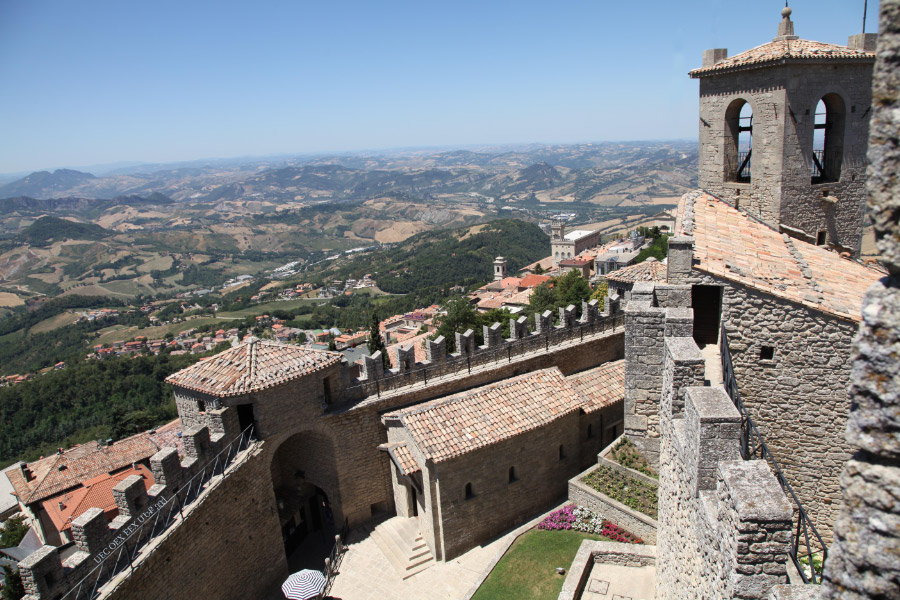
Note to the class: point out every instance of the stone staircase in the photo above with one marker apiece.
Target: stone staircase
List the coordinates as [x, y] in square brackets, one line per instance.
[400, 541]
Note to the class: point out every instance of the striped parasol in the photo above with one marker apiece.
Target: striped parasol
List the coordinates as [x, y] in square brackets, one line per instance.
[303, 585]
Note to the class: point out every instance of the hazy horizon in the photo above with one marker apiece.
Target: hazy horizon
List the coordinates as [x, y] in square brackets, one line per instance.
[169, 82]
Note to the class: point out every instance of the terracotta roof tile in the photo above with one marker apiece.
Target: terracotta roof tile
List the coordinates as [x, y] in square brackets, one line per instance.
[649, 270]
[61, 472]
[731, 245]
[601, 386]
[784, 50]
[252, 366]
[457, 424]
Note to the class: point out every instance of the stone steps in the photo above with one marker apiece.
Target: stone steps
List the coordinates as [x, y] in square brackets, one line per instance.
[400, 542]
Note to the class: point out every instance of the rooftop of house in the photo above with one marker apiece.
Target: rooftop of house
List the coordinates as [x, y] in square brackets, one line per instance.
[601, 386]
[401, 456]
[786, 47]
[252, 366]
[730, 244]
[575, 262]
[63, 471]
[418, 344]
[649, 270]
[96, 492]
[452, 426]
[531, 280]
[574, 236]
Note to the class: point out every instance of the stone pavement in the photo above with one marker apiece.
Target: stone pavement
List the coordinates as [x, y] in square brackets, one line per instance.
[365, 573]
[616, 582]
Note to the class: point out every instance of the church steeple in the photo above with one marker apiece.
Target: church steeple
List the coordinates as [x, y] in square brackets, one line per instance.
[786, 27]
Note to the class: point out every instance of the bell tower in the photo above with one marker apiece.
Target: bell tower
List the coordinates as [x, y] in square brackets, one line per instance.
[784, 130]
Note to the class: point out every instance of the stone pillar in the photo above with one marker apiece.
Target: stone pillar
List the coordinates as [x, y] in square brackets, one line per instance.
[713, 426]
[91, 531]
[684, 368]
[644, 355]
[465, 343]
[196, 443]
[518, 328]
[166, 468]
[679, 322]
[543, 322]
[681, 252]
[863, 561]
[492, 335]
[567, 317]
[590, 311]
[612, 304]
[42, 574]
[404, 358]
[130, 496]
[373, 366]
[436, 349]
[223, 424]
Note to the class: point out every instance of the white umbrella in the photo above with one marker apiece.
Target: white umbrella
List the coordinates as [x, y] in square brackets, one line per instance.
[303, 585]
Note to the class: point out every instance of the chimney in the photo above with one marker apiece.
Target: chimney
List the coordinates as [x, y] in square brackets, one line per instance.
[863, 41]
[714, 56]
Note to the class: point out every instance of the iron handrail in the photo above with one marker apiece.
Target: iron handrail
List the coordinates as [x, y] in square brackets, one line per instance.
[753, 445]
[486, 356]
[122, 552]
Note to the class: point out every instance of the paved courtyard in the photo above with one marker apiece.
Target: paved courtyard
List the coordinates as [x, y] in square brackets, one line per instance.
[365, 573]
[616, 582]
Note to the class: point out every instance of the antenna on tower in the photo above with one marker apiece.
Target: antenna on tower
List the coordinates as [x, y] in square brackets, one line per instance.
[865, 7]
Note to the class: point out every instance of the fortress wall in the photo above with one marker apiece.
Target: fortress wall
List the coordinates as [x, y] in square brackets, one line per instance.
[228, 548]
[724, 523]
[799, 400]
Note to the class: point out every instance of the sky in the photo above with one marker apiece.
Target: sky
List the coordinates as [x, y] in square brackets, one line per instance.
[91, 82]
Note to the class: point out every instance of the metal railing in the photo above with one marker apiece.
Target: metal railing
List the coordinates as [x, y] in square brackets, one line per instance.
[806, 543]
[487, 356]
[826, 166]
[122, 552]
[333, 562]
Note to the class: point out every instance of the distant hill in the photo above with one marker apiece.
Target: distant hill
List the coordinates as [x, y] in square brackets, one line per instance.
[52, 229]
[44, 184]
[446, 257]
[27, 204]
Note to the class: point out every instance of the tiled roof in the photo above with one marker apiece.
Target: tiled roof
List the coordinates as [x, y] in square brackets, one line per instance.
[601, 386]
[418, 343]
[731, 245]
[649, 270]
[783, 51]
[531, 280]
[252, 366]
[60, 472]
[463, 422]
[95, 493]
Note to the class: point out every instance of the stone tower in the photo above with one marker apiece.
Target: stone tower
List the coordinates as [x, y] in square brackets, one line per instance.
[764, 146]
[557, 230]
[499, 268]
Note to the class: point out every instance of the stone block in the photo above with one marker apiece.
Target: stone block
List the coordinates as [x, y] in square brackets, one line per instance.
[681, 250]
[543, 322]
[130, 496]
[91, 531]
[518, 328]
[196, 442]
[373, 367]
[679, 322]
[404, 358]
[493, 335]
[166, 468]
[223, 422]
[436, 349]
[465, 343]
[42, 573]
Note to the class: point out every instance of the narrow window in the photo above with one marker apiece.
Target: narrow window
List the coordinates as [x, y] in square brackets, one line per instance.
[738, 141]
[828, 139]
[326, 385]
[469, 494]
[562, 453]
[590, 432]
[201, 406]
[821, 238]
[767, 353]
[512, 474]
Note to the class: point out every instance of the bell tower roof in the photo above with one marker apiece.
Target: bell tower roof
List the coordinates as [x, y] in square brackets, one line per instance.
[784, 48]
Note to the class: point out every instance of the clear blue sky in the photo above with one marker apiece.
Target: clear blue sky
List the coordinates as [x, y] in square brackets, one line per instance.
[98, 82]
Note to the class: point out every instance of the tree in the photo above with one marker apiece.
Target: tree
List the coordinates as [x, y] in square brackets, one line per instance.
[542, 298]
[572, 288]
[12, 531]
[601, 292]
[538, 269]
[13, 588]
[332, 345]
[376, 342]
[459, 316]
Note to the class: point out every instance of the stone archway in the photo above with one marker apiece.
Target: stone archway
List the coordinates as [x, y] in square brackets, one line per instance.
[305, 483]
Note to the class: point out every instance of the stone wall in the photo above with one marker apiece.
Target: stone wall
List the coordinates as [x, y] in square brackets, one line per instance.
[798, 399]
[636, 522]
[864, 559]
[607, 553]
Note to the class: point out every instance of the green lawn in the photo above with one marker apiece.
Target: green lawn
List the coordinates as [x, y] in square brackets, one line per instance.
[268, 307]
[528, 569]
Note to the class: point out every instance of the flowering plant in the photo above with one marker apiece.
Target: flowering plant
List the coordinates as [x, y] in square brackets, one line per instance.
[580, 518]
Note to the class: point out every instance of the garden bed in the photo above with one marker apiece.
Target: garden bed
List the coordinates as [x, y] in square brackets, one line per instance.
[626, 454]
[632, 492]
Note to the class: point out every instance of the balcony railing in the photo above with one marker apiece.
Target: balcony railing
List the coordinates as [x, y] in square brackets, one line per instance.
[808, 551]
[826, 166]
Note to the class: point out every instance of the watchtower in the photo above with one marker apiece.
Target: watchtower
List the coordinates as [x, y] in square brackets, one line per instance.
[499, 268]
[557, 230]
[783, 133]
